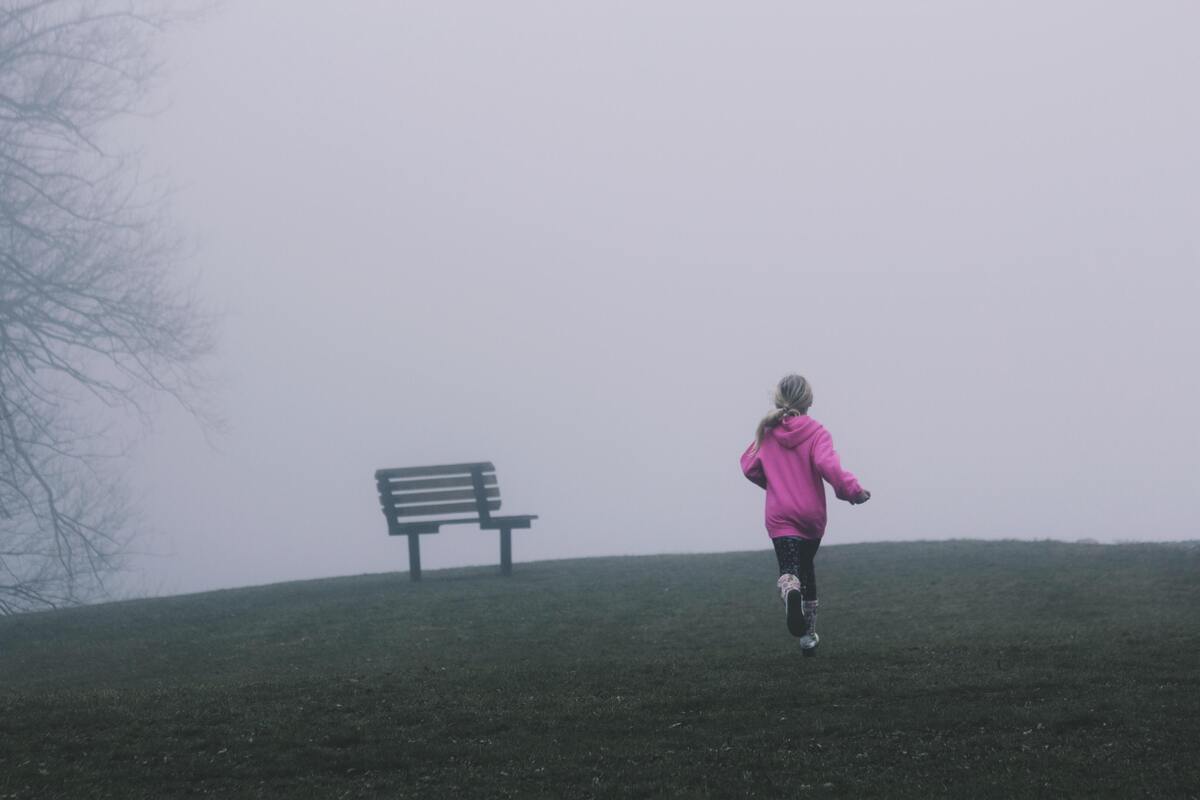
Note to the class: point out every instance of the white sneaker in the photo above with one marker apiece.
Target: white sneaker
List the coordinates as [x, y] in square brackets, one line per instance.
[786, 585]
[808, 644]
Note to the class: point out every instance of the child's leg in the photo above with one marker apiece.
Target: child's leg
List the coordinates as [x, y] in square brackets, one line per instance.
[789, 553]
[806, 551]
[808, 581]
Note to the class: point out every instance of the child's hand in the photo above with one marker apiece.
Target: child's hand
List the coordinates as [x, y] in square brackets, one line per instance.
[862, 498]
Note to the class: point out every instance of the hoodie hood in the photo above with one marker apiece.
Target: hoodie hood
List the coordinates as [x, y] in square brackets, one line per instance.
[795, 431]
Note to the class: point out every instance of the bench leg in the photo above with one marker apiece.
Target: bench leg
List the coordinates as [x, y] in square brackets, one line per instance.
[414, 557]
[505, 551]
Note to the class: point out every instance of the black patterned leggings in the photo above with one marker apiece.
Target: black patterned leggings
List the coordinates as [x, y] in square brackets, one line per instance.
[795, 557]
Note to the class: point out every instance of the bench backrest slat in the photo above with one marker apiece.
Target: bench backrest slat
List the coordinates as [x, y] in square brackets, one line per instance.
[461, 482]
[416, 498]
[445, 508]
[441, 469]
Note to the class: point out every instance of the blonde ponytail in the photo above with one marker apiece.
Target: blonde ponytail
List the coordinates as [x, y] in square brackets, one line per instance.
[793, 397]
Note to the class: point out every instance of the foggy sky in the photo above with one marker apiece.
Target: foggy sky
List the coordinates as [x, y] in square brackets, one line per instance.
[583, 241]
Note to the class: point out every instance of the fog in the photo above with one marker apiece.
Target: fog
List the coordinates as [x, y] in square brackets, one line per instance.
[584, 240]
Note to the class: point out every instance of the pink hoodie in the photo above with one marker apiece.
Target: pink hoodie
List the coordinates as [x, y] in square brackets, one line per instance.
[790, 464]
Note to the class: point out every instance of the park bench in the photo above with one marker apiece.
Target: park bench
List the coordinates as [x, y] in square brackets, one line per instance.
[420, 500]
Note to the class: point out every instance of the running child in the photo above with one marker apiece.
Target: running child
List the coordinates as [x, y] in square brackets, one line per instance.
[790, 456]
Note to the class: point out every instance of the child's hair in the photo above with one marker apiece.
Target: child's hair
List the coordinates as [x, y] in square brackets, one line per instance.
[793, 396]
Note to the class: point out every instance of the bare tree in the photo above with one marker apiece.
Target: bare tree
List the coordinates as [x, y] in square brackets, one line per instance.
[90, 314]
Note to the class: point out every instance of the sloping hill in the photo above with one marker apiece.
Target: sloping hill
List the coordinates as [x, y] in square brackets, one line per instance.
[1001, 669]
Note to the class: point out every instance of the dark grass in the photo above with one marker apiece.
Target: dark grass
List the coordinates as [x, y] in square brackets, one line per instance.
[953, 669]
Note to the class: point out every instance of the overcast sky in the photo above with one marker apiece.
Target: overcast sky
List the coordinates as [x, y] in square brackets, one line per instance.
[584, 240]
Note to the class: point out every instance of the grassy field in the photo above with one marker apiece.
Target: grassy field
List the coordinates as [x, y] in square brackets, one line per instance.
[953, 669]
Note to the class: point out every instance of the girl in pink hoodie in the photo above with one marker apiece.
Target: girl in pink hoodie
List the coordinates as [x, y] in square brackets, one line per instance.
[790, 457]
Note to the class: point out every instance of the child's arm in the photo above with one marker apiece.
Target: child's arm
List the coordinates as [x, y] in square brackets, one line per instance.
[752, 466]
[845, 485]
